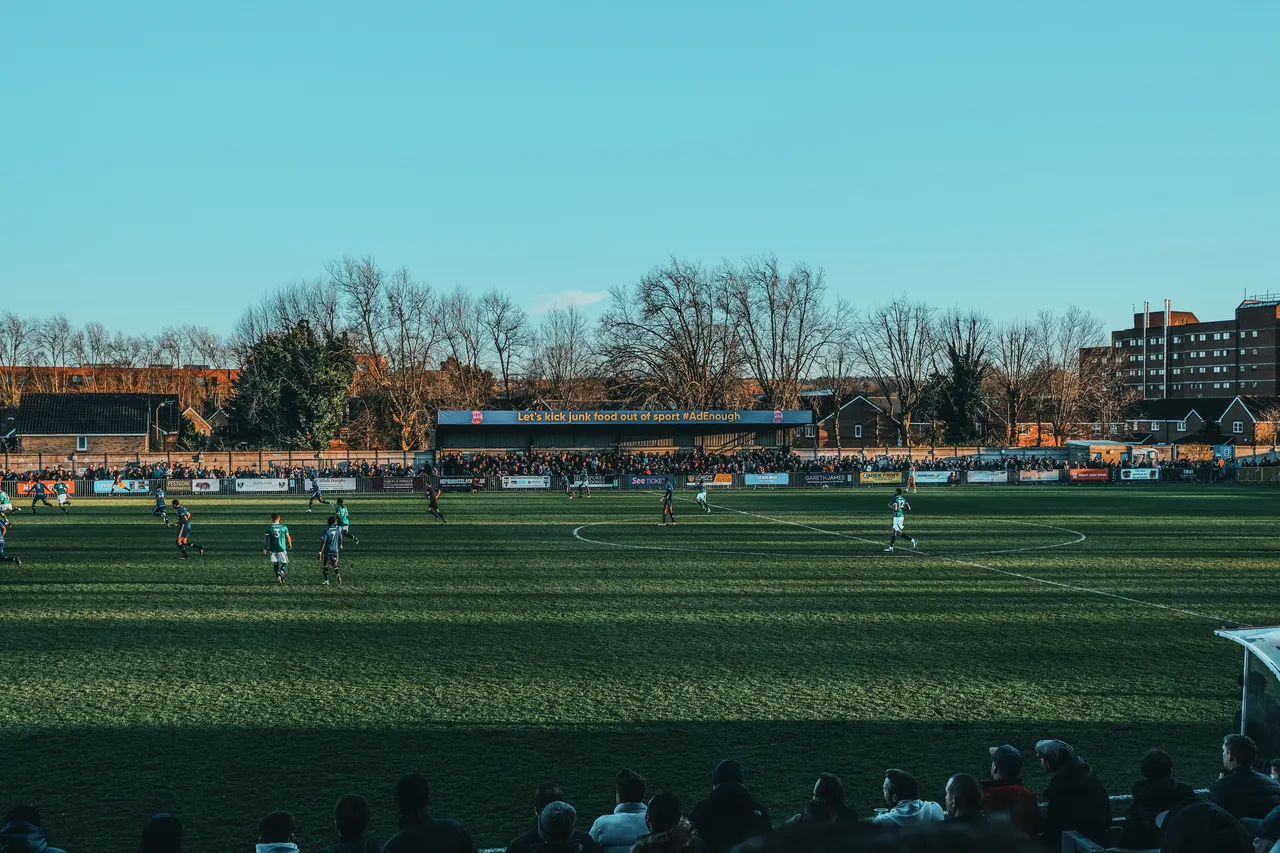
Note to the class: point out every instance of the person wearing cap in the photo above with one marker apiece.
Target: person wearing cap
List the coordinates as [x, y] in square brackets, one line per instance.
[556, 829]
[419, 831]
[547, 793]
[1241, 790]
[902, 795]
[1075, 798]
[617, 832]
[1004, 794]
[1158, 792]
[729, 815]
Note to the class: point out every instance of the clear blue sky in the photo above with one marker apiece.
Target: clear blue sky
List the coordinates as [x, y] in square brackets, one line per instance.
[165, 162]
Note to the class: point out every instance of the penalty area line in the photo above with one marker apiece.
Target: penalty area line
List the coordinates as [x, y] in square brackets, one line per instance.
[1019, 575]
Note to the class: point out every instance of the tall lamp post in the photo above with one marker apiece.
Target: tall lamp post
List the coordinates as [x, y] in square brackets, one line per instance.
[156, 421]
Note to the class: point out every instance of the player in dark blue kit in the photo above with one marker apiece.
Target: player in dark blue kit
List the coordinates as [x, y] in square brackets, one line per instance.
[316, 496]
[433, 504]
[161, 511]
[39, 495]
[184, 530]
[668, 507]
[330, 545]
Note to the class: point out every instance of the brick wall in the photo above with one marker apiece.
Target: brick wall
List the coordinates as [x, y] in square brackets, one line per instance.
[98, 444]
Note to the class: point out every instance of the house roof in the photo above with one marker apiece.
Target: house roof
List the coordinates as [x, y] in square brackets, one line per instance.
[94, 414]
[1178, 410]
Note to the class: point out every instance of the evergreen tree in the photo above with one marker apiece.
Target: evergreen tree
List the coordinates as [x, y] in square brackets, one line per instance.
[292, 389]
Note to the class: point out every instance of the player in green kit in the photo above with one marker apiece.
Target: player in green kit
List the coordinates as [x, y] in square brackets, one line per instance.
[63, 497]
[6, 503]
[276, 543]
[344, 521]
[584, 483]
[900, 507]
[330, 545]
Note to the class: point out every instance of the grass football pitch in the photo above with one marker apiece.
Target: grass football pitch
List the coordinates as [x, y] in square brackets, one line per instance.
[504, 649]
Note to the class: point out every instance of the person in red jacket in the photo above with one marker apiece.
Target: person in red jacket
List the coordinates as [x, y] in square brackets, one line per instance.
[1005, 794]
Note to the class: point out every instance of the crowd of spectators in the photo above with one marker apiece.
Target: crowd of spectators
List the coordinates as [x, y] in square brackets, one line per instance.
[1240, 812]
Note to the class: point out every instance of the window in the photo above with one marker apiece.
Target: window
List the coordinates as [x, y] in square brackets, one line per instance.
[1217, 337]
[1182, 426]
[1177, 340]
[1242, 352]
[1119, 344]
[1255, 350]
[1202, 353]
[82, 442]
[857, 431]
[1237, 427]
[1177, 371]
[1177, 355]
[77, 379]
[1254, 333]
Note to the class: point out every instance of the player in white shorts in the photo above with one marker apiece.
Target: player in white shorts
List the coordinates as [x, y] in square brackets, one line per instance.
[899, 506]
[276, 543]
[701, 497]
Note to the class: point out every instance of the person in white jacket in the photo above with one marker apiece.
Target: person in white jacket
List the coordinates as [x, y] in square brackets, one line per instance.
[902, 796]
[617, 832]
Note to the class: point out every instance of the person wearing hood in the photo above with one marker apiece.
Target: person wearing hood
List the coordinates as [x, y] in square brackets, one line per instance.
[1004, 793]
[275, 834]
[1158, 792]
[730, 815]
[419, 831]
[617, 832]
[548, 793]
[669, 832]
[1075, 798]
[20, 832]
[902, 795]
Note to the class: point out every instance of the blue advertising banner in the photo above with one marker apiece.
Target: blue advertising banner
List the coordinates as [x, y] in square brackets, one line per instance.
[766, 479]
[629, 417]
[126, 487]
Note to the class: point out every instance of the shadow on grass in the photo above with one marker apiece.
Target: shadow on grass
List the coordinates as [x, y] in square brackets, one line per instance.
[97, 786]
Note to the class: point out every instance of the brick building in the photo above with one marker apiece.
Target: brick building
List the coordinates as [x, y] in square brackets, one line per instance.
[97, 423]
[1188, 359]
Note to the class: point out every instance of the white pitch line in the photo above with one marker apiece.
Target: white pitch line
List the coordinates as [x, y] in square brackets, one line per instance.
[1019, 575]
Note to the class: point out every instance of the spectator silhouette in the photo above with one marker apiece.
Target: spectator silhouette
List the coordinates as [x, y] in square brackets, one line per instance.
[351, 817]
[902, 795]
[419, 831]
[1005, 795]
[826, 803]
[617, 832]
[21, 832]
[276, 834]
[1158, 792]
[1075, 798]
[669, 831]
[729, 815]
[162, 834]
[547, 793]
[1242, 791]
[964, 799]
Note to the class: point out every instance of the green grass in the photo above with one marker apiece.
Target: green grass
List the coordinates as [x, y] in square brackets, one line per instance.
[499, 651]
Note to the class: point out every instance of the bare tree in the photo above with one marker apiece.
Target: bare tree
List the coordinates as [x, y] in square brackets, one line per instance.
[1061, 337]
[783, 322]
[964, 338]
[669, 341]
[563, 355]
[837, 370]
[1016, 362]
[17, 340]
[464, 337]
[507, 328]
[55, 343]
[895, 345]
